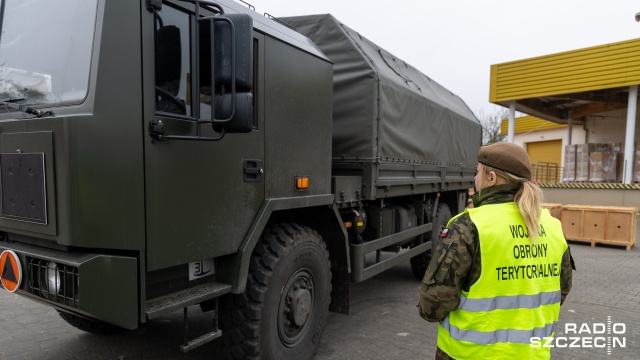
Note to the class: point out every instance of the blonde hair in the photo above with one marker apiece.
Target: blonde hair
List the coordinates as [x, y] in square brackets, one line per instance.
[528, 199]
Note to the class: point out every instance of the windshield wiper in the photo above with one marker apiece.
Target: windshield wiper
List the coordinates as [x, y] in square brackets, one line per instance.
[9, 103]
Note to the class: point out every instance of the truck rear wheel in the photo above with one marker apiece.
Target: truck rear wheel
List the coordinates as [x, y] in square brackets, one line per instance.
[282, 313]
[91, 326]
[420, 262]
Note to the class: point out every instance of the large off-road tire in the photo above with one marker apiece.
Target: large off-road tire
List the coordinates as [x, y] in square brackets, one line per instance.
[282, 313]
[90, 326]
[420, 262]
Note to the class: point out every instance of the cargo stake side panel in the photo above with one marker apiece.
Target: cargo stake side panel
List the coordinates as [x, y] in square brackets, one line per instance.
[198, 203]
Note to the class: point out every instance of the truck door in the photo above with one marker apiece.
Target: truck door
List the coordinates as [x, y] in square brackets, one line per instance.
[201, 194]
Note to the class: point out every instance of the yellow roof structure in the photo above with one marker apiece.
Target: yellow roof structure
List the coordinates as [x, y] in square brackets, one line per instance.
[572, 84]
[529, 123]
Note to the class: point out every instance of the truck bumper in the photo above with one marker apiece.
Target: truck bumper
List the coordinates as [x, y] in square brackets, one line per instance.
[101, 287]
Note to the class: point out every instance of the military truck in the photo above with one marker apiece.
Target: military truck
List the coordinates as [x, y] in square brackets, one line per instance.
[160, 155]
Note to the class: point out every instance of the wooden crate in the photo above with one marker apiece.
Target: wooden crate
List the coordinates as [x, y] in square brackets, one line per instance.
[613, 225]
[554, 209]
[571, 220]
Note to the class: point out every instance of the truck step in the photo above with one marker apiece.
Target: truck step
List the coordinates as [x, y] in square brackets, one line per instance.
[179, 300]
[200, 340]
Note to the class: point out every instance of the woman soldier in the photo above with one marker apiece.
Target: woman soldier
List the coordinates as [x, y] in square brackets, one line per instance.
[501, 269]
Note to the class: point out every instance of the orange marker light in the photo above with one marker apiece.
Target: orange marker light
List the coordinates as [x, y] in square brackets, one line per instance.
[302, 183]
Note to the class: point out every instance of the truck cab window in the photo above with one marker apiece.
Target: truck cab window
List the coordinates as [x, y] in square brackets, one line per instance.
[45, 50]
[172, 59]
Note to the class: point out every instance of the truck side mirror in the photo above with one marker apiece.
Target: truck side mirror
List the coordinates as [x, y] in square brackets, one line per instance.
[242, 121]
[226, 69]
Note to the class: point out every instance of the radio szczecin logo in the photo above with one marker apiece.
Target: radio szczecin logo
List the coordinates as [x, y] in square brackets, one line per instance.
[607, 336]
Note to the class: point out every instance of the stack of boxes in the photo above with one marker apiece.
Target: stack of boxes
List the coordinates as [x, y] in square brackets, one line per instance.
[582, 162]
[598, 163]
[569, 173]
[602, 163]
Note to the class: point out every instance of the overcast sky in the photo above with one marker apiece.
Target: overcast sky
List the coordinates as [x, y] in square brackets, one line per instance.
[456, 41]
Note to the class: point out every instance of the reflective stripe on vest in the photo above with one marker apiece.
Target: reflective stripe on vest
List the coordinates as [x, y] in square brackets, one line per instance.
[510, 302]
[517, 295]
[511, 336]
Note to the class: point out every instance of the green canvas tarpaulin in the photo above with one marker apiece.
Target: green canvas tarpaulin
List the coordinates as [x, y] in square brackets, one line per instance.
[385, 110]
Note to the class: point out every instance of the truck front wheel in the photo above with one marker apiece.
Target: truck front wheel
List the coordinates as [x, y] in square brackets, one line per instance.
[282, 313]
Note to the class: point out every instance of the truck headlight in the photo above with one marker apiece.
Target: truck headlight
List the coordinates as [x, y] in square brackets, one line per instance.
[53, 281]
[53, 278]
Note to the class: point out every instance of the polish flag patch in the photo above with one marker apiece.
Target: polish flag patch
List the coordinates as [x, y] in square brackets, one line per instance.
[444, 232]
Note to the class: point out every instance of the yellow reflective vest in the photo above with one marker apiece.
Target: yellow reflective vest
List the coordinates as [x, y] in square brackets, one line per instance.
[517, 296]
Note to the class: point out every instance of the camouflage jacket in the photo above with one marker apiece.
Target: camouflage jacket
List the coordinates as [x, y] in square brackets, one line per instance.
[455, 265]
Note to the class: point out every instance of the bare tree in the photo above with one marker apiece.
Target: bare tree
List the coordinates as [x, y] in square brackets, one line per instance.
[490, 122]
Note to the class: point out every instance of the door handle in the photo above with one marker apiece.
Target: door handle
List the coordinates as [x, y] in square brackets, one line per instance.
[252, 170]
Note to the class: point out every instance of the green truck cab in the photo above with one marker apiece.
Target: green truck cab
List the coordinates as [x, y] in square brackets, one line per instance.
[156, 155]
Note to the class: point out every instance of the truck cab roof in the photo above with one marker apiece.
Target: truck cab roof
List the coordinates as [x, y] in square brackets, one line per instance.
[275, 28]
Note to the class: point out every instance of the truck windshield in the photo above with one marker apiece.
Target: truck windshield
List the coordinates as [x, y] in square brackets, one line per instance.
[45, 50]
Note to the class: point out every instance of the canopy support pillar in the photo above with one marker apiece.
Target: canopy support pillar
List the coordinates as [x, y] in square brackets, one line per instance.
[630, 134]
[512, 121]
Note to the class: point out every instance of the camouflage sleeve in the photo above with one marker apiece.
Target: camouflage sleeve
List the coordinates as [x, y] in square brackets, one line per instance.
[448, 271]
[566, 274]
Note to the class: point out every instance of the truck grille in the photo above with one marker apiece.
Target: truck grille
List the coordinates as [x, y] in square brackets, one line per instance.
[53, 281]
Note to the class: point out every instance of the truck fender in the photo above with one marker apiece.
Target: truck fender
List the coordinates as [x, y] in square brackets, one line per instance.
[316, 212]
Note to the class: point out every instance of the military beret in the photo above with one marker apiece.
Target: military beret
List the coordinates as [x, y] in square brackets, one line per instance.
[507, 157]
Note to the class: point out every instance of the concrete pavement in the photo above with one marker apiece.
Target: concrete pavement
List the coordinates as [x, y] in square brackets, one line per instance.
[383, 324]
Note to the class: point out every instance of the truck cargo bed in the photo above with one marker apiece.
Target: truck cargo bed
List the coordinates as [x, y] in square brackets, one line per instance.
[393, 125]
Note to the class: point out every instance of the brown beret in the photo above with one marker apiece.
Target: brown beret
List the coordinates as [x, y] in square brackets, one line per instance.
[506, 157]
